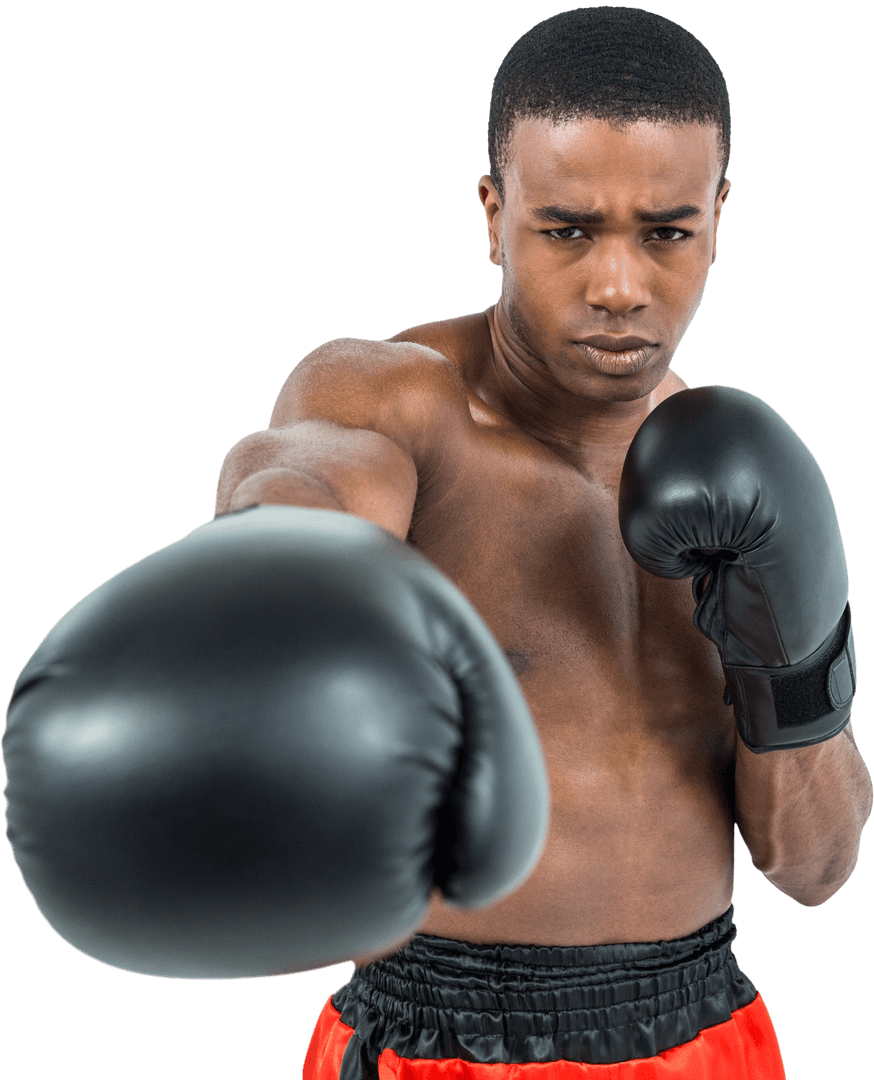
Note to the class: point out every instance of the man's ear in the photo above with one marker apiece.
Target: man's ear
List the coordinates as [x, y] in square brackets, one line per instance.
[720, 200]
[488, 196]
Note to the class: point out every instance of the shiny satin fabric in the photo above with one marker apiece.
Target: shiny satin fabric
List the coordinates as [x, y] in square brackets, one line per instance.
[640, 1011]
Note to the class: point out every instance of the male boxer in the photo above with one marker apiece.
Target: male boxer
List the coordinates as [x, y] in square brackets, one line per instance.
[543, 456]
[494, 444]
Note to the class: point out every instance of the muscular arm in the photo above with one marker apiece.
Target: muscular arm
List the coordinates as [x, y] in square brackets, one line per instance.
[322, 465]
[801, 814]
[356, 428]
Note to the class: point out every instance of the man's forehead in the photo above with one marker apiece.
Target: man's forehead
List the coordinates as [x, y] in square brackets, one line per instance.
[548, 159]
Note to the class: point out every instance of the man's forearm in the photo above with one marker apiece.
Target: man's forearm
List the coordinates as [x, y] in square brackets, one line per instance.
[277, 486]
[801, 814]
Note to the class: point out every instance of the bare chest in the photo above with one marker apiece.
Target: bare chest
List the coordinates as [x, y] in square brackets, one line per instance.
[534, 543]
[624, 690]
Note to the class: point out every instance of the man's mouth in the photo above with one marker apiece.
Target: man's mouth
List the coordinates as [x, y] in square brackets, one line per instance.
[613, 343]
[616, 355]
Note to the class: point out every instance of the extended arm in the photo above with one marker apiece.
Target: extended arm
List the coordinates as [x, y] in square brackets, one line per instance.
[356, 427]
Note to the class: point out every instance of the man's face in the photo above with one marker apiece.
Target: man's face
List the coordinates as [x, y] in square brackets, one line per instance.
[579, 260]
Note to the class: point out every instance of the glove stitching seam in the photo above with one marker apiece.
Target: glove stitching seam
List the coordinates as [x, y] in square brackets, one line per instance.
[776, 628]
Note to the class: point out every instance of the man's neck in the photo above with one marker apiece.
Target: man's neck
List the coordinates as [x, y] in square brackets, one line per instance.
[593, 434]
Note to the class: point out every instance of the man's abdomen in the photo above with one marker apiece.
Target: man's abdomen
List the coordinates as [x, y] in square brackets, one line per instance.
[626, 859]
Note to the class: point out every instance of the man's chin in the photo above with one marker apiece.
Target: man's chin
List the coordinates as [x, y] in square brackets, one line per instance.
[596, 385]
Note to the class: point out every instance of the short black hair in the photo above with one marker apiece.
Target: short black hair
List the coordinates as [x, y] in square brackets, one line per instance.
[607, 63]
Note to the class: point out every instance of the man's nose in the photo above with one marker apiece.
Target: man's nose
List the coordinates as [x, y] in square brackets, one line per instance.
[616, 278]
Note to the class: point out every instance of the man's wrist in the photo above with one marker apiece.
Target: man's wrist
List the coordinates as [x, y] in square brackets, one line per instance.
[800, 705]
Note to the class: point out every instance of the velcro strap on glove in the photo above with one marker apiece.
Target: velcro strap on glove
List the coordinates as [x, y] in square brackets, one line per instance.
[790, 707]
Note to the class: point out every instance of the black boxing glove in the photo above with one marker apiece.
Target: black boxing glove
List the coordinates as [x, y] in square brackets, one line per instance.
[717, 486]
[258, 750]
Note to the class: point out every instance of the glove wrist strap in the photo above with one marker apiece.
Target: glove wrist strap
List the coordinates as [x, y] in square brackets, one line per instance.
[790, 707]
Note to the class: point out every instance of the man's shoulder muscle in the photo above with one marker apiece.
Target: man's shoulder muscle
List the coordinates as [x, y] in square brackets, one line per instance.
[402, 389]
[464, 341]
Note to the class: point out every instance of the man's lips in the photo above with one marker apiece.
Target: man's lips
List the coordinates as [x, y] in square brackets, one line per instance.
[616, 355]
[615, 344]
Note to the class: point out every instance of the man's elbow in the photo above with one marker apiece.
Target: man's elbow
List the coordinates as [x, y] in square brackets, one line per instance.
[812, 893]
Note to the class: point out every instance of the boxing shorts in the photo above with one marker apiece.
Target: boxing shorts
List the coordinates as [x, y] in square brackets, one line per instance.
[443, 1009]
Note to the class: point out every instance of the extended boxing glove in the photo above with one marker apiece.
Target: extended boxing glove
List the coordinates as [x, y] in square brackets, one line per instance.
[718, 487]
[258, 750]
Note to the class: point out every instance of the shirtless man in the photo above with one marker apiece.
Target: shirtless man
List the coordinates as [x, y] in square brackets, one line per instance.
[501, 441]
[494, 444]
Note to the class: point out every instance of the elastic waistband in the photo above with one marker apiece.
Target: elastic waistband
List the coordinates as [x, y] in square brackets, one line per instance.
[512, 1003]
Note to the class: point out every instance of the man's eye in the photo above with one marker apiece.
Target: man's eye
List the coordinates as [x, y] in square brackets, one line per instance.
[666, 234]
[678, 234]
[556, 234]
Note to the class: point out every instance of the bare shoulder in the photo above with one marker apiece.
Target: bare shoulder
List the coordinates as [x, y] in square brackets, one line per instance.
[464, 341]
[405, 390]
[346, 369]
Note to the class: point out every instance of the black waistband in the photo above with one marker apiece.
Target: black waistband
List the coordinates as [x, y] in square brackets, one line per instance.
[438, 998]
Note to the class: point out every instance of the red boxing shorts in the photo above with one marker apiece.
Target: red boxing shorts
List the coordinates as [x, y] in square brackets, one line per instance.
[439, 1009]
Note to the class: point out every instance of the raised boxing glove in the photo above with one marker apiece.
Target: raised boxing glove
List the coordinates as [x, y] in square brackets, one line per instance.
[258, 750]
[718, 487]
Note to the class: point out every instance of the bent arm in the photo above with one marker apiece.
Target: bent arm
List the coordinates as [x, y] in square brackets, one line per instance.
[801, 814]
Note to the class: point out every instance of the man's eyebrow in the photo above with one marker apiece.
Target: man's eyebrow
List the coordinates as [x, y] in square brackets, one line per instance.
[570, 216]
